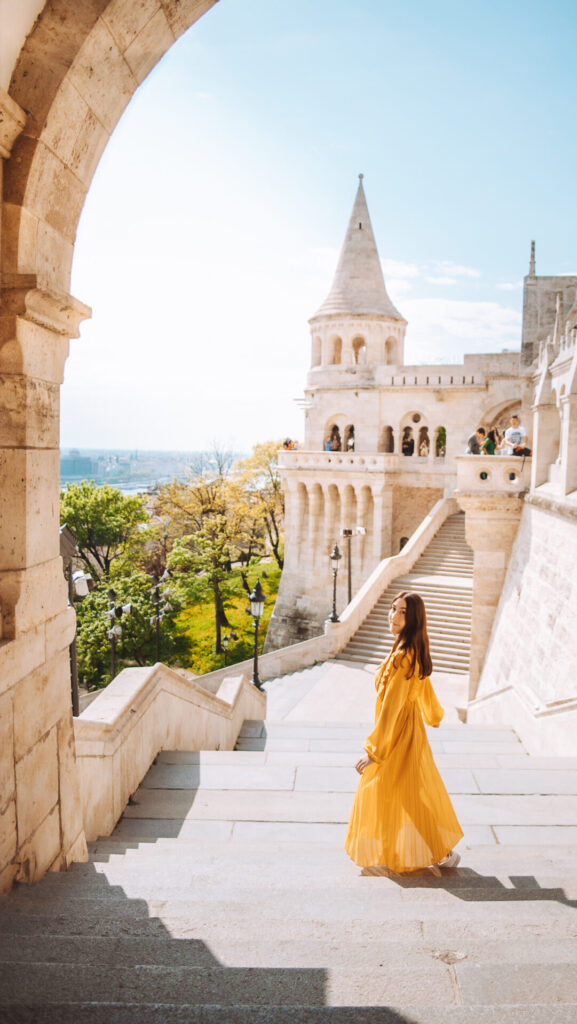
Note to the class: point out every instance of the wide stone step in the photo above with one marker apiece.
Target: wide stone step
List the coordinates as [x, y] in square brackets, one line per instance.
[157, 1013]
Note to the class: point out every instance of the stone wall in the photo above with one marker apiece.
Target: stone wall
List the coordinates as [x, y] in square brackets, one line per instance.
[410, 506]
[531, 666]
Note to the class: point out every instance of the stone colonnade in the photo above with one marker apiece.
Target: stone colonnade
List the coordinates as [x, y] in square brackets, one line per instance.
[316, 513]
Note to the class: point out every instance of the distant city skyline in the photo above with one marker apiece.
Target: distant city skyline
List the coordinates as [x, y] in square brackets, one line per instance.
[212, 229]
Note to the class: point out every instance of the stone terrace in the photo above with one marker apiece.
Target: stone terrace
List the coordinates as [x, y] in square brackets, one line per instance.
[224, 893]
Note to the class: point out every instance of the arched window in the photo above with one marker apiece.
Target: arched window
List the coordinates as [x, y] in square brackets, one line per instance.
[335, 350]
[440, 443]
[333, 440]
[316, 352]
[359, 351]
[387, 443]
[424, 442]
[408, 442]
[390, 351]
[349, 438]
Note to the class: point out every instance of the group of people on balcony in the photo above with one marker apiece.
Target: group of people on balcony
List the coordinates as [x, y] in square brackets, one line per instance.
[333, 441]
[512, 442]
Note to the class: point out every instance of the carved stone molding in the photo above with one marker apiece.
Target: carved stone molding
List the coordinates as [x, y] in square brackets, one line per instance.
[12, 121]
[58, 311]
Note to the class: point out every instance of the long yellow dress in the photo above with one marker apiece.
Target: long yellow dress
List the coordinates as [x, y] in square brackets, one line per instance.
[402, 817]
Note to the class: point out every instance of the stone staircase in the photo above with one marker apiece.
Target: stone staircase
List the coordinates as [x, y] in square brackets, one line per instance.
[443, 576]
[224, 894]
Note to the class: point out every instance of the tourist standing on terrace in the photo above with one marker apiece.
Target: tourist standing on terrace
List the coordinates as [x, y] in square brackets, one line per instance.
[402, 817]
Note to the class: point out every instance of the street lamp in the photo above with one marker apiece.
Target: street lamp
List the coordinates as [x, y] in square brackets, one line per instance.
[159, 612]
[348, 535]
[335, 559]
[115, 631]
[256, 609]
[80, 584]
[225, 642]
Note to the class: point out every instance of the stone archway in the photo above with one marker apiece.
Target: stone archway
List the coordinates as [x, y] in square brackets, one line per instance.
[76, 72]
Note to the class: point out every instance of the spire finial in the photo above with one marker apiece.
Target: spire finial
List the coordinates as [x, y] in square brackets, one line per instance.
[532, 261]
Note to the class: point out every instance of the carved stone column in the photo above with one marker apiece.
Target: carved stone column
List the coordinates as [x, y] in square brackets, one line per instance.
[569, 443]
[40, 803]
[491, 523]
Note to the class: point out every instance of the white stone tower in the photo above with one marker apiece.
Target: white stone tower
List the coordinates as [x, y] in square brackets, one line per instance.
[355, 482]
[356, 330]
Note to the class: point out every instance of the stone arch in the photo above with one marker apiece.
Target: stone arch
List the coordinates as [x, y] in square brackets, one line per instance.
[387, 440]
[411, 427]
[440, 448]
[335, 350]
[390, 351]
[72, 81]
[334, 428]
[424, 443]
[359, 349]
[316, 354]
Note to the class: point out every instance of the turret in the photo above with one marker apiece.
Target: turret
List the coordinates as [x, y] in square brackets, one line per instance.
[357, 323]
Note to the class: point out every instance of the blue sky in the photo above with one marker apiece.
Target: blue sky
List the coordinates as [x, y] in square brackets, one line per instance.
[212, 228]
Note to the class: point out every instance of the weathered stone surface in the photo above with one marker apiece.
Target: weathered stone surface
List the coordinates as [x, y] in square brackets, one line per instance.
[6, 760]
[37, 787]
[21, 656]
[149, 46]
[30, 515]
[102, 77]
[38, 851]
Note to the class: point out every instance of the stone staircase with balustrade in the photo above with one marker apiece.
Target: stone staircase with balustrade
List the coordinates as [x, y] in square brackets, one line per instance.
[224, 893]
[443, 575]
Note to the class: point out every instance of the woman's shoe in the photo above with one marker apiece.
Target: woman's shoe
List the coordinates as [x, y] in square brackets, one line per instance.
[450, 861]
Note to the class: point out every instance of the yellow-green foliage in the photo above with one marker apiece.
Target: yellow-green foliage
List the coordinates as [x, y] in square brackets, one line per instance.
[197, 621]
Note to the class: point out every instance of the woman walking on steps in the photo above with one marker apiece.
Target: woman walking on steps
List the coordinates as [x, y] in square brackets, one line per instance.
[402, 817]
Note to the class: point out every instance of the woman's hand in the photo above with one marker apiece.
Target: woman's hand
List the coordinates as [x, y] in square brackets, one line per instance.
[363, 763]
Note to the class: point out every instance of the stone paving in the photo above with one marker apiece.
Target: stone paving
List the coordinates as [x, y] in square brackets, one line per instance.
[224, 893]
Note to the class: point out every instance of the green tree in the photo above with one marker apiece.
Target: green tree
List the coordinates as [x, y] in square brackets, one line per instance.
[106, 524]
[260, 478]
[137, 645]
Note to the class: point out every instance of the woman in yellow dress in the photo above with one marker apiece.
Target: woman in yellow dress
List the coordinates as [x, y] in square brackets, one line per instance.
[402, 817]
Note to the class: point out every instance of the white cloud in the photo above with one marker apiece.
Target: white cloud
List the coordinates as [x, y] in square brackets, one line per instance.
[447, 329]
[455, 269]
[398, 269]
[442, 280]
[509, 286]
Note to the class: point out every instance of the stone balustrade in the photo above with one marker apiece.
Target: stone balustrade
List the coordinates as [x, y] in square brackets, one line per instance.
[363, 462]
[491, 474]
[143, 711]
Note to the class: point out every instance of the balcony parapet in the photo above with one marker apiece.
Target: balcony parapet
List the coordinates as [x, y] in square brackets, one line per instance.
[491, 474]
[364, 462]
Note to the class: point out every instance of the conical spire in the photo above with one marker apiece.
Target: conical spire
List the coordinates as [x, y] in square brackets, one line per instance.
[358, 285]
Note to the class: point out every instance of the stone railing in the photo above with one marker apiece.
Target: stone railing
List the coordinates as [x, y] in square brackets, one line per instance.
[493, 473]
[363, 462]
[360, 462]
[143, 711]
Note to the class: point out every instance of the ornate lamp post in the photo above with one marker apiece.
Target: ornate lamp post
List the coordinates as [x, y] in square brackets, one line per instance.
[114, 613]
[348, 535]
[256, 609]
[226, 641]
[335, 559]
[159, 595]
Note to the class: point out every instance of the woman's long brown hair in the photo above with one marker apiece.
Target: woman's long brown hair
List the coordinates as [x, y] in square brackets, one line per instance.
[414, 638]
